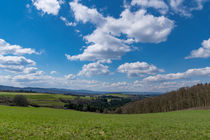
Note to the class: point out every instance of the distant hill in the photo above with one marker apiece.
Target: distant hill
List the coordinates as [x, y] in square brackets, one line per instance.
[67, 91]
[137, 93]
[184, 98]
[48, 90]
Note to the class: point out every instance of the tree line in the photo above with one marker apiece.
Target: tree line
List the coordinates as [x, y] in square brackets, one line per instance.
[183, 98]
[101, 104]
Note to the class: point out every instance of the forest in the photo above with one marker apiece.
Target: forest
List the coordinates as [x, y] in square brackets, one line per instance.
[183, 98]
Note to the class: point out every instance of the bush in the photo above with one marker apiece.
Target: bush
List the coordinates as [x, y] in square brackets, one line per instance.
[5, 100]
[20, 100]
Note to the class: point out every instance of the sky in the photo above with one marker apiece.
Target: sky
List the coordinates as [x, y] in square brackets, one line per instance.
[120, 45]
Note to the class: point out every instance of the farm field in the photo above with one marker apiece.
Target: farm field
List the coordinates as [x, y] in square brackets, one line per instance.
[43, 99]
[60, 100]
[47, 123]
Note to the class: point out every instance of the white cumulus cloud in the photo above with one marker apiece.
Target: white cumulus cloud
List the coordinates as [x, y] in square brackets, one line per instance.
[11, 58]
[85, 14]
[140, 26]
[16, 60]
[92, 69]
[157, 4]
[103, 47]
[180, 75]
[138, 69]
[105, 42]
[6, 48]
[202, 52]
[185, 8]
[48, 6]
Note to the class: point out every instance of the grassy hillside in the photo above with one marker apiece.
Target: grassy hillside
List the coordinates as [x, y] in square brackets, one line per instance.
[45, 123]
[184, 98]
[41, 99]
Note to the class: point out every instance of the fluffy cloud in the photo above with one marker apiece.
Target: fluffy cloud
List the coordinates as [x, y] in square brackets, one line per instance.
[94, 69]
[39, 79]
[104, 46]
[140, 26]
[138, 69]
[48, 6]
[18, 69]
[185, 8]
[29, 70]
[176, 4]
[15, 60]
[11, 59]
[6, 48]
[12, 68]
[181, 7]
[106, 42]
[163, 86]
[85, 14]
[176, 76]
[157, 4]
[16, 64]
[202, 52]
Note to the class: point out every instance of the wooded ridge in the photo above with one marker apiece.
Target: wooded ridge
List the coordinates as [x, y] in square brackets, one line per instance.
[184, 98]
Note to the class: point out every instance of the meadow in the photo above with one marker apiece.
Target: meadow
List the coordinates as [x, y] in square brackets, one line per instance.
[105, 101]
[43, 99]
[46, 123]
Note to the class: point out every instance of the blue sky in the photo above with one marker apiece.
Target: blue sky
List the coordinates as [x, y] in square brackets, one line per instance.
[122, 45]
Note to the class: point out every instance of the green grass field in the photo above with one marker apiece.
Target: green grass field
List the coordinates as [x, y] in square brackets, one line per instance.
[43, 99]
[54, 100]
[53, 124]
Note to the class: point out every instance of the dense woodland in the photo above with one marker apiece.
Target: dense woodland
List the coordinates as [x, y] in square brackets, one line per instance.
[101, 104]
[184, 98]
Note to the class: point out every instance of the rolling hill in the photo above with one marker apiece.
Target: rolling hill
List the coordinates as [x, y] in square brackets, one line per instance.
[29, 123]
[68, 91]
[48, 90]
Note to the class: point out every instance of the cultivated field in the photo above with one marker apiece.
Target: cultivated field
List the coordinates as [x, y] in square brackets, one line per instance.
[60, 100]
[46, 123]
[42, 99]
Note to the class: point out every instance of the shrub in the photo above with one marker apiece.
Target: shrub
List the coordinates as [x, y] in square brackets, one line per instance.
[5, 100]
[20, 100]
